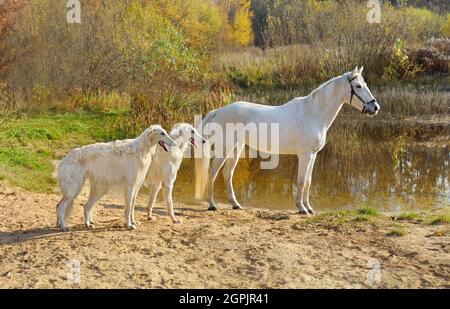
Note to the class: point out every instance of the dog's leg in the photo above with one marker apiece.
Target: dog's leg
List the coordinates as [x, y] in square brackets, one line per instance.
[95, 194]
[154, 189]
[129, 197]
[63, 210]
[133, 221]
[168, 197]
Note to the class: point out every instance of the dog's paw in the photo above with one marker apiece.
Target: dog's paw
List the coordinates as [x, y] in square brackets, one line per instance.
[177, 221]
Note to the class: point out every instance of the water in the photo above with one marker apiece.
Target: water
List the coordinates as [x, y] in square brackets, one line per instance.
[349, 172]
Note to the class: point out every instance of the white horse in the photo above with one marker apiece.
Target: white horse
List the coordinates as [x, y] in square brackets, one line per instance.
[303, 125]
[164, 167]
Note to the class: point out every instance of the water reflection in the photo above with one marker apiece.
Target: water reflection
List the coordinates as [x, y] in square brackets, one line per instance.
[390, 176]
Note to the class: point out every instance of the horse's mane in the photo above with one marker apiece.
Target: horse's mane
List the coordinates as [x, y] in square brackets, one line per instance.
[324, 85]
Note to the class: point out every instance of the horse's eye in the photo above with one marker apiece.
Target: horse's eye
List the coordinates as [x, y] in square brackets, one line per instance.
[359, 86]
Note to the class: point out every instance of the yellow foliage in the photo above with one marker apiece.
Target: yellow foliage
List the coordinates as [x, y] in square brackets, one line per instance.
[446, 27]
[198, 20]
[236, 22]
[241, 30]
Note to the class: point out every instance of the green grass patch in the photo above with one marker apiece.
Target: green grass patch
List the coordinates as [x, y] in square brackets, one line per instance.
[442, 219]
[361, 218]
[367, 211]
[396, 231]
[407, 216]
[28, 145]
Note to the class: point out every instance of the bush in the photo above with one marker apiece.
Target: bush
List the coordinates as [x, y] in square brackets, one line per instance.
[422, 24]
[117, 46]
[8, 104]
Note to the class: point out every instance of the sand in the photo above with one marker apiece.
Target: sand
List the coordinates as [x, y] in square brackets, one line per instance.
[251, 248]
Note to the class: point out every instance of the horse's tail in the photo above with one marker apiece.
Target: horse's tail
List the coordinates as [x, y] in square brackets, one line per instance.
[202, 162]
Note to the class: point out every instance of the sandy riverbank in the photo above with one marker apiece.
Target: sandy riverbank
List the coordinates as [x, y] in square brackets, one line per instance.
[252, 248]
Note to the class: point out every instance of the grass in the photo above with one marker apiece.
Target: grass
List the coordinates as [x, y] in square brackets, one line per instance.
[362, 214]
[396, 231]
[367, 211]
[441, 219]
[407, 216]
[29, 145]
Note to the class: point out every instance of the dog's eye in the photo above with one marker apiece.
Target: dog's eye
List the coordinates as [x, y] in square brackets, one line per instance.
[162, 133]
[359, 86]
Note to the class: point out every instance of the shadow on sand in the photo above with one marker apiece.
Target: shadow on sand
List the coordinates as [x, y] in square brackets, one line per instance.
[19, 236]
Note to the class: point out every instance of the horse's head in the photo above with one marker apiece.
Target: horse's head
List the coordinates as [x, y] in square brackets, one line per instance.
[360, 96]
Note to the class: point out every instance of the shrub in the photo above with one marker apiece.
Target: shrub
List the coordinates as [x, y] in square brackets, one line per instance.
[8, 103]
[446, 27]
[117, 46]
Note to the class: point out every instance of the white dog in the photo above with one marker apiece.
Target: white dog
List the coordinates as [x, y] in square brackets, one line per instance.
[165, 165]
[122, 164]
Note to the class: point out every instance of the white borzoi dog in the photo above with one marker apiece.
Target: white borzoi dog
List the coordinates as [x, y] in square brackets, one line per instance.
[164, 168]
[122, 164]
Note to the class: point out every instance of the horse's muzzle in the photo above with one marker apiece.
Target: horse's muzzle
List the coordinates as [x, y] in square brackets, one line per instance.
[372, 108]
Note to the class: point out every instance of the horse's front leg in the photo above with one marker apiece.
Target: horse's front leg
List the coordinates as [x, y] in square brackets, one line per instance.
[308, 184]
[303, 164]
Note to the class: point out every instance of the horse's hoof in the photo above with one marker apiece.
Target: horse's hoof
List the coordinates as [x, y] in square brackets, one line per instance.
[64, 229]
[177, 221]
[131, 227]
[237, 207]
[303, 211]
[212, 208]
[89, 225]
[311, 211]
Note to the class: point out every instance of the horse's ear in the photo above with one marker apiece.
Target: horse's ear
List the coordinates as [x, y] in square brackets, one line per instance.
[354, 72]
[361, 69]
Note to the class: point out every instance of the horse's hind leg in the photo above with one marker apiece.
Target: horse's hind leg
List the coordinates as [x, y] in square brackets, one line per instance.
[228, 171]
[215, 168]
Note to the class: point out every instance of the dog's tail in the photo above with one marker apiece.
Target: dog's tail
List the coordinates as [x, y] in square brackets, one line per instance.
[202, 162]
[71, 177]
